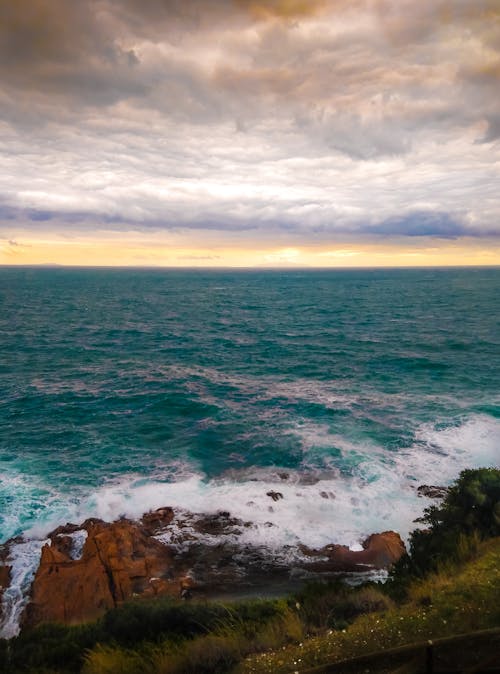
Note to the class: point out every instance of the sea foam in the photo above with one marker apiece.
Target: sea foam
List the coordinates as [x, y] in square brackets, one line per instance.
[23, 560]
[319, 505]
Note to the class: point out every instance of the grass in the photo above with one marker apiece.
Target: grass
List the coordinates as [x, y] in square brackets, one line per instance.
[454, 600]
[217, 651]
[323, 623]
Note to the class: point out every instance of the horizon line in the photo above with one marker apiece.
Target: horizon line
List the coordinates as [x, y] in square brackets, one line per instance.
[49, 265]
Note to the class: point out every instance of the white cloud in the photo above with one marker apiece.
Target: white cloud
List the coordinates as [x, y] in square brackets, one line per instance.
[317, 128]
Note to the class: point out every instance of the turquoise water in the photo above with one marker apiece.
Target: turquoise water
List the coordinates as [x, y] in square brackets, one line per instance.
[123, 390]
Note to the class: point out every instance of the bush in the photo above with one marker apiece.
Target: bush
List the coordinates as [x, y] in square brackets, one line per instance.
[130, 633]
[469, 513]
[335, 604]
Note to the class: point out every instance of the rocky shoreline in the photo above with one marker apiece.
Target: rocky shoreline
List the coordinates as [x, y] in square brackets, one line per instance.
[88, 568]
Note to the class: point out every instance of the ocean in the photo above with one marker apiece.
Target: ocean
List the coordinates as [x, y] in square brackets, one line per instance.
[124, 390]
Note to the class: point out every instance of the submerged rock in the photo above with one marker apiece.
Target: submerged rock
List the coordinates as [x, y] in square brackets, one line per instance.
[432, 491]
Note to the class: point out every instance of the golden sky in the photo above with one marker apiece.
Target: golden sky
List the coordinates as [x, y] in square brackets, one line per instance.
[137, 250]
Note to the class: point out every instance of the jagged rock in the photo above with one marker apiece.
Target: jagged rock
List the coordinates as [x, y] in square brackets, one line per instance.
[275, 495]
[66, 529]
[119, 561]
[431, 491]
[156, 520]
[219, 524]
[380, 551]
[124, 559]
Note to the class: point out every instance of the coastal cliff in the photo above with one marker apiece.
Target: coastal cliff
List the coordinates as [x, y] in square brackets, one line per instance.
[87, 569]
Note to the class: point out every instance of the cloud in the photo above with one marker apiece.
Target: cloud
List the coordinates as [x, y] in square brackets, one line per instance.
[439, 225]
[287, 9]
[266, 120]
[198, 258]
[340, 253]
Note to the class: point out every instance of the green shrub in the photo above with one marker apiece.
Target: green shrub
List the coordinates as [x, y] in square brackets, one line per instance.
[48, 647]
[470, 512]
[335, 604]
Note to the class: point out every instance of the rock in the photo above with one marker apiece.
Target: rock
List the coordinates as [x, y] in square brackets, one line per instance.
[275, 495]
[66, 529]
[383, 550]
[4, 583]
[5, 570]
[4, 577]
[124, 559]
[219, 524]
[119, 561]
[431, 491]
[380, 551]
[156, 520]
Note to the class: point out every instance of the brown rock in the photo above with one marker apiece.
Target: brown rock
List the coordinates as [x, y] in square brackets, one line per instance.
[383, 550]
[156, 520]
[119, 561]
[4, 583]
[380, 551]
[4, 577]
[123, 559]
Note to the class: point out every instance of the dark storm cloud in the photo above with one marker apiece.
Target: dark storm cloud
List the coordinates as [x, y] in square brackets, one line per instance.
[440, 225]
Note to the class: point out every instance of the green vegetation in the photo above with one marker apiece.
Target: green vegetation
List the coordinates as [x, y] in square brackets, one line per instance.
[442, 604]
[149, 632]
[449, 584]
[470, 513]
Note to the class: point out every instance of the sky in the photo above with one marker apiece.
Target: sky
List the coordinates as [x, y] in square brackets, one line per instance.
[250, 133]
